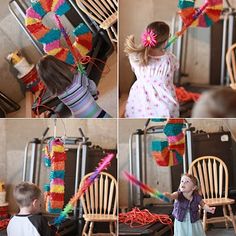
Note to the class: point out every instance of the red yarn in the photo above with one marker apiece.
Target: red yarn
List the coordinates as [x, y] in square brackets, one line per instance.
[185, 96]
[4, 223]
[138, 218]
[87, 59]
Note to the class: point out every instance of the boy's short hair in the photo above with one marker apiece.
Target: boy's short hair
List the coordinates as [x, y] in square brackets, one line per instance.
[25, 193]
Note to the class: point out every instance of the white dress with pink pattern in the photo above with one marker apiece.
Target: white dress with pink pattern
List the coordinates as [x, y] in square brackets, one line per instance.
[153, 93]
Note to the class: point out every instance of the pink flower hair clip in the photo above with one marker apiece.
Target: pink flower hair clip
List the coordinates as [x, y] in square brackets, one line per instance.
[149, 38]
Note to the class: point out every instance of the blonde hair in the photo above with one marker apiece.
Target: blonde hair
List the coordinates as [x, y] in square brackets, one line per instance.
[161, 29]
[25, 193]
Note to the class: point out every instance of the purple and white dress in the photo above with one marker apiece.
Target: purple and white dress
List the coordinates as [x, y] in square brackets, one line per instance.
[153, 93]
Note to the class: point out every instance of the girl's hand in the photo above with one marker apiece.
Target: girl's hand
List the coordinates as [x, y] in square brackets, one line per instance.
[171, 196]
[167, 194]
[211, 210]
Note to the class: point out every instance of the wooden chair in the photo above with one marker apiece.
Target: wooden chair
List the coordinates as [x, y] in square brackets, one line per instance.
[231, 65]
[100, 203]
[104, 12]
[212, 174]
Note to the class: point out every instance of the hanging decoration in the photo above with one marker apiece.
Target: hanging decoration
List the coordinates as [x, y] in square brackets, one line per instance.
[170, 152]
[50, 38]
[55, 157]
[204, 16]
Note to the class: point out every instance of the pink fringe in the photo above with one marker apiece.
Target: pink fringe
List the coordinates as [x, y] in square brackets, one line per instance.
[57, 181]
[50, 46]
[176, 138]
[30, 12]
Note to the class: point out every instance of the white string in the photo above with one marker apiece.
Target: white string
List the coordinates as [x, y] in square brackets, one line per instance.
[55, 128]
[64, 126]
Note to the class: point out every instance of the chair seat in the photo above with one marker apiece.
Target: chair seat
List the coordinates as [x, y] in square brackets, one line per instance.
[109, 21]
[219, 201]
[100, 217]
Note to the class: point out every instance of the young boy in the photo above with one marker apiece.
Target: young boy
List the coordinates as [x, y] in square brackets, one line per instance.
[28, 221]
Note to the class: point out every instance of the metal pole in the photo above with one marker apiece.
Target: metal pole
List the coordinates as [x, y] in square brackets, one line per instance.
[77, 175]
[25, 161]
[173, 23]
[222, 75]
[230, 39]
[40, 153]
[189, 147]
[131, 196]
[84, 145]
[24, 28]
[179, 54]
[145, 151]
[33, 161]
[20, 8]
[84, 157]
[138, 164]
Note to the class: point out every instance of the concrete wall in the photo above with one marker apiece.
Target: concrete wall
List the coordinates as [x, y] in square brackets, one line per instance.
[2, 150]
[15, 133]
[159, 177]
[136, 15]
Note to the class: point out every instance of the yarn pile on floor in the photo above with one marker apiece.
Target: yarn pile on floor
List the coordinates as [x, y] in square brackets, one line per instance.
[138, 218]
[185, 96]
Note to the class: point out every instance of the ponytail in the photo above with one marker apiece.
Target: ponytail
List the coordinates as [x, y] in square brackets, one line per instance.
[131, 47]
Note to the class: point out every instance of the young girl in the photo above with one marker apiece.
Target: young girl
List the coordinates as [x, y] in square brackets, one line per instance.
[186, 207]
[74, 89]
[153, 93]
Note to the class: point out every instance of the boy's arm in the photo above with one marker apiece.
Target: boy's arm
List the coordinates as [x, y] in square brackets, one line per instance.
[172, 196]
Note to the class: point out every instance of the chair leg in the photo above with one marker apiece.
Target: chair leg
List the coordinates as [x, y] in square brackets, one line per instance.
[84, 233]
[225, 217]
[111, 227]
[91, 228]
[232, 217]
[111, 39]
[204, 220]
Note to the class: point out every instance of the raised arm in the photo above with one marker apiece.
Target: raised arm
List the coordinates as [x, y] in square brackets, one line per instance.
[172, 196]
